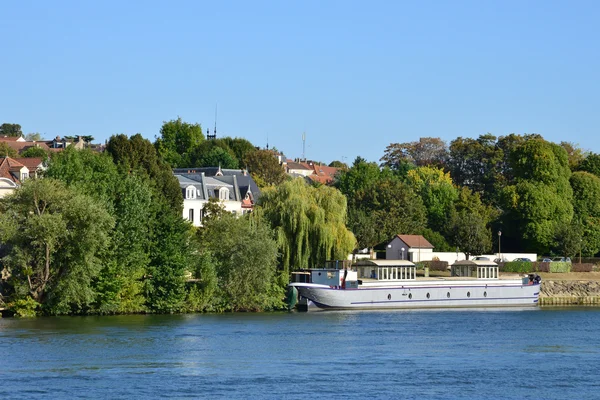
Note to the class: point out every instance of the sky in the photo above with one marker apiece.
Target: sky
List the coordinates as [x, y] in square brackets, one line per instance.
[355, 76]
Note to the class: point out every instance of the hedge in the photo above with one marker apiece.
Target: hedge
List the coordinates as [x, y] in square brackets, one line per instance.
[436, 265]
[560, 266]
[583, 267]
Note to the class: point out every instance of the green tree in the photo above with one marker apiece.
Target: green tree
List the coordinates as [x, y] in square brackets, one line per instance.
[7, 151]
[13, 130]
[212, 153]
[540, 199]
[177, 140]
[427, 151]
[246, 259]
[309, 223]
[590, 164]
[241, 148]
[55, 236]
[338, 164]
[438, 193]
[35, 152]
[359, 176]
[586, 208]
[33, 136]
[265, 168]
[574, 153]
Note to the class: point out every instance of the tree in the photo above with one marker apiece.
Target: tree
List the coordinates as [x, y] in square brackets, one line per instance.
[384, 209]
[35, 152]
[338, 164]
[55, 237]
[212, 153]
[241, 148]
[265, 168]
[7, 151]
[33, 136]
[177, 140]
[586, 211]
[540, 199]
[13, 130]
[309, 223]
[591, 164]
[438, 193]
[474, 163]
[427, 151]
[245, 255]
[213, 209]
[574, 153]
[360, 175]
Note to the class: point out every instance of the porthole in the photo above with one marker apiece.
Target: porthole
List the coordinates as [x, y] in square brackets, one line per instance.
[410, 295]
[389, 296]
[484, 294]
[468, 294]
[428, 295]
[319, 274]
[448, 295]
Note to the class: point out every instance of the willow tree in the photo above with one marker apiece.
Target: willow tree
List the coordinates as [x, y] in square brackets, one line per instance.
[310, 223]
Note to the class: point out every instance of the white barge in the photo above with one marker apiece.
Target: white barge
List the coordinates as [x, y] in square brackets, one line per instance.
[393, 284]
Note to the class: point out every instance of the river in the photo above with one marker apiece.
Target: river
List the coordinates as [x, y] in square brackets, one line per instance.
[437, 354]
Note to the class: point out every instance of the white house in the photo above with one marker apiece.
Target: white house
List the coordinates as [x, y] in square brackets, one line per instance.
[414, 248]
[234, 188]
[12, 174]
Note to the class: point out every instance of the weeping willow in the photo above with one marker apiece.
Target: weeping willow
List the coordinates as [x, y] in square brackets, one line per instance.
[310, 223]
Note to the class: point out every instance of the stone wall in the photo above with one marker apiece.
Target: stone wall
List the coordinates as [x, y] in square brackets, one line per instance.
[570, 293]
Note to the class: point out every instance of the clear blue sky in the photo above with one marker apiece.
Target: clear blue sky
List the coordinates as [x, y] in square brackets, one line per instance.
[354, 75]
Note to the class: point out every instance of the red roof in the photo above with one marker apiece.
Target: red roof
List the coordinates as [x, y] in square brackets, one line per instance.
[22, 146]
[32, 163]
[415, 241]
[8, 165]
[9, 138]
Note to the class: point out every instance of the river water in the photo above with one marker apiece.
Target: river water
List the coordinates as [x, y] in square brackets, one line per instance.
[443, 354]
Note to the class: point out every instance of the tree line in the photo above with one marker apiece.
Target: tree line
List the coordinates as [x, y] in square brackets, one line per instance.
[103, 233]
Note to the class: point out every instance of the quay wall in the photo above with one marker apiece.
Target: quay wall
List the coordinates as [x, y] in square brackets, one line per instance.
[567, 293]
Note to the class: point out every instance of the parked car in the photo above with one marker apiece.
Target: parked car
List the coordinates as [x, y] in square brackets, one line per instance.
[561, 259]
[525, 259]
[480, 258]
[546, 259]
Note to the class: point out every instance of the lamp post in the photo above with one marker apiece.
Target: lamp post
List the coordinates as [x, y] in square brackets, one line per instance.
[499, 251]
[402, 253]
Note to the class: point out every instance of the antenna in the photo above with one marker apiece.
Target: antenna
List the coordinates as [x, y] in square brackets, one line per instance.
[214, 135]
[215, 131]
[304, 146]
[267, 141]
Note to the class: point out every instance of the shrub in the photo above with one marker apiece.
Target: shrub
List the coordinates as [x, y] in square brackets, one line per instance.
[560, 266]
[583, 267]
[26, 307]
[542, 267]
[436, 265]
[518, 266]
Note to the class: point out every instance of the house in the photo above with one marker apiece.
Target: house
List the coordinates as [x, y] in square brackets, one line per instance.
[234, 188]
[409, 247]
[322, 173]
[12, 174]
[36, 165]
[296, 168]
[58, 143]
[19, 144]
[12, 139]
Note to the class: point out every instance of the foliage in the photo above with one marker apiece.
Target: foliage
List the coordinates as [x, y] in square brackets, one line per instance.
[539, 199]
[33, 136]
[309, 223]
[338, 164]
[582, 267]
[574, 154]
[177, 140]
[569, 239]
[586, 209]
[438, 241]
[213, 209]
[35, 152]
[54, 252]
[241, 149]
[560, 267]
[521, 267]
[438, 193]
[24, 307]
[7, 151]
[591, 164]
[245, 255]
[265, 168]
[427, 151]
[214, 153]
[13, 130]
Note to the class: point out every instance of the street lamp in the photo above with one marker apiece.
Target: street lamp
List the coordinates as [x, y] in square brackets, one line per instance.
[499, 252]
[402, 253]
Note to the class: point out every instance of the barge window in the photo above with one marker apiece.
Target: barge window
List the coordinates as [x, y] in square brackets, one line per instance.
[448, 295]
[428, 295]
[468, 294]
[484, 294]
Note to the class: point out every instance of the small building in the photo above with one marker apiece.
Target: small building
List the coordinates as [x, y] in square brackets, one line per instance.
[12, 174]
[481, 269]
[414, 248]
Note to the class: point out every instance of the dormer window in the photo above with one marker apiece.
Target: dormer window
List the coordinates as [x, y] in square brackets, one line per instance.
[223, 194]
[190, 193]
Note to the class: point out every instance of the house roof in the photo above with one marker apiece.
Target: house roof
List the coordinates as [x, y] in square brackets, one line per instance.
[297, 165]
[415, 241]
[32, 163]
[244, 179]
[9, 169]
[20, 147]
[323, 174]
[11, 138]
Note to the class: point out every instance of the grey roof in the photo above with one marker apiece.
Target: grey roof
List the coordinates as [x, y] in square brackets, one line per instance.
[245, 182]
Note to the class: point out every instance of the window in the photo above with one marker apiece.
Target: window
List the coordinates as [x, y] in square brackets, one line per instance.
[191, 215]
[223, 194]
[24, 175]
[190, 193]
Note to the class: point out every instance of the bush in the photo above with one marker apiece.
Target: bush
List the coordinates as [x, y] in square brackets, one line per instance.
[436, 265]
[560, 266]
[26, 307]
[518, 266]
[542, 267]
[583, 267]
